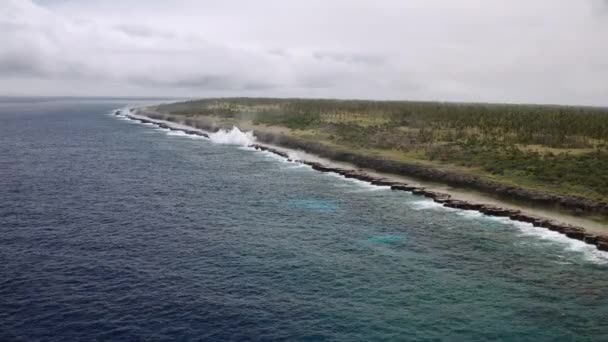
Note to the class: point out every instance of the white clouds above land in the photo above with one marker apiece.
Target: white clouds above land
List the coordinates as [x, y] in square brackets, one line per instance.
[547, 51]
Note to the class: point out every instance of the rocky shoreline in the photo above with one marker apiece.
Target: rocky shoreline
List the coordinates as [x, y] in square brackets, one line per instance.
[574, 204]
[166, 126]
[573, 232]
[578, 233]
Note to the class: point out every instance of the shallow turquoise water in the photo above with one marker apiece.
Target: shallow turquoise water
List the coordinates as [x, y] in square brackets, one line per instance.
[120, 231]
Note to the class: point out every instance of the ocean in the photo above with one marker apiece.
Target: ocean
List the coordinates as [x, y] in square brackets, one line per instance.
[120, 231]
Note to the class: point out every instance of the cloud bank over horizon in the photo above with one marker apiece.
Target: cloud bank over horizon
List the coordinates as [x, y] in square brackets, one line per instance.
[546, 51]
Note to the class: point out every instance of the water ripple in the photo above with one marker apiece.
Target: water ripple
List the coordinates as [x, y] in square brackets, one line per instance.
[111, 233]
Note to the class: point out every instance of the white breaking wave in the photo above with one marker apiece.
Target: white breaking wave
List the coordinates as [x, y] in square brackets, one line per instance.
[467, 213]
[195, 137]
[177, 133]
[589, 252]
[426, 204]
[232, 137]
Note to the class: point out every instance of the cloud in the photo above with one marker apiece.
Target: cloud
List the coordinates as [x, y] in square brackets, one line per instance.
[40, 44]
[517, 51]
[143, 31]
[350, 58]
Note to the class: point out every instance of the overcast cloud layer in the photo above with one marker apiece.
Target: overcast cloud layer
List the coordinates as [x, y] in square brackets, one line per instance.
[541, 51]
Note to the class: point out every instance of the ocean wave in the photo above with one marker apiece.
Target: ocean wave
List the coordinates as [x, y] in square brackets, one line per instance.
[177, 133]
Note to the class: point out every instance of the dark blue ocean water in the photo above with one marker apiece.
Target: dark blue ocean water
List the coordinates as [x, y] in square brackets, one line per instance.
[112, 230]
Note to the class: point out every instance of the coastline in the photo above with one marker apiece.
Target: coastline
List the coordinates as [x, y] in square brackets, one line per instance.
[455, 193]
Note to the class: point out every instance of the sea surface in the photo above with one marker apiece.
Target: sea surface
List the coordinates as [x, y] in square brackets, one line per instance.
[119, 231]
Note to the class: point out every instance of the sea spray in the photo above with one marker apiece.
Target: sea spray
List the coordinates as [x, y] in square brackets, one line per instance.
[233, 136]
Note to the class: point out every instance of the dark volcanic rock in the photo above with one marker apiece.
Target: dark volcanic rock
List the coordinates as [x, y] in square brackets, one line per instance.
[384, 182]
[539, 223]
[458, 204]
[360, 175]
[441, 200]
[498, 211]
[549, 225]
[403, 187]
[436, 195]
[320, 167]
[590, 239]
[194, 132]
[575, 234]
[523, 218]
[602, 246]
[439, 197]
[270, 149]
[280, 153]
[419, 191]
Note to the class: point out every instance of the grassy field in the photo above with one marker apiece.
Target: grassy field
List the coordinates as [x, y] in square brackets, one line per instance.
[552, 148]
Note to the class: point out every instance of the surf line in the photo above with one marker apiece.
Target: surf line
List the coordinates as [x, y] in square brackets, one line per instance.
[160, 124]
[446, 200]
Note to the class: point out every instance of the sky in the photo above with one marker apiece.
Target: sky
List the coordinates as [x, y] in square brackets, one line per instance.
[517, 51]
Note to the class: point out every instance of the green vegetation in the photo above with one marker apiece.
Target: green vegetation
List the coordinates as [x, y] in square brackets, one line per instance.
[557, 148]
